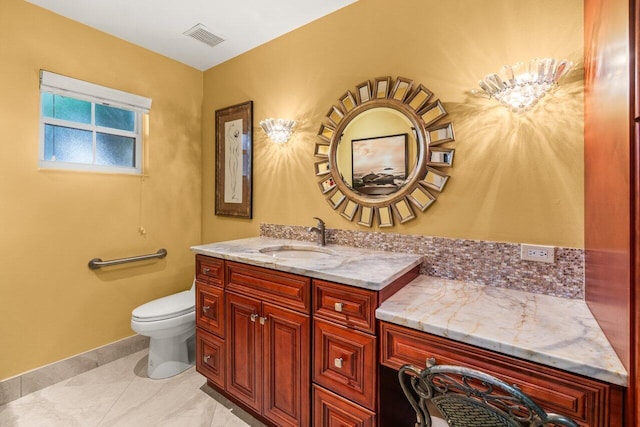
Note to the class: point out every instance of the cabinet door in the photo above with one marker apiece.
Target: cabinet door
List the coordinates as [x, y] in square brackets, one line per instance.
[345, 362]
[210, 308]
[209, 270]
[244, 345]
[286, 355]
[331, 410]
[345, 305]
[210, 357]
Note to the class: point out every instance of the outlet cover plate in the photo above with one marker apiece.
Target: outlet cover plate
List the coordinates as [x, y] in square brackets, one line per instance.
[537, 253]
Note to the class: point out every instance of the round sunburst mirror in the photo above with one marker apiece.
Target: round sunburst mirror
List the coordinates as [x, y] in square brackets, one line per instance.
[381, 152]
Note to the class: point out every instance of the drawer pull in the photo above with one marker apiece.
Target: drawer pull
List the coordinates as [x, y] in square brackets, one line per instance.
[263, 320]
[206, 270]
[338, 307]
[254, 317]
[206, 359]
[337, 362]
[206, 308]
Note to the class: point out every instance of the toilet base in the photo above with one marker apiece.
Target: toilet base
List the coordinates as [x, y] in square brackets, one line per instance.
[171, 356]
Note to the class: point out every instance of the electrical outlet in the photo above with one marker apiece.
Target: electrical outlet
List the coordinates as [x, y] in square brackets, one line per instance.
[537, 253]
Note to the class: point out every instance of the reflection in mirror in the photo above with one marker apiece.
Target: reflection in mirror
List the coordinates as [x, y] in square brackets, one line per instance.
[385, 219]
[350, 210]
[435, 179]
[327, 185]
[421, 198]
[441, 156]
[357, 147]
[348, 101]
[335, 115]
[364, 92]
[404, 211]
[336, 199]
[440, 134]
[382, 87]
[432, 113]
[419, 98]
[380, 151]
[322, 167]
[326, 132]
[379, 164]
[401, 89]
[366, 216]
[322, 150]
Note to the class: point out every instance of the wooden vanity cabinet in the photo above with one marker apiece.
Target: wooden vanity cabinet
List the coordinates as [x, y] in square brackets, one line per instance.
[268, 359]
[589, 402]
[210, 319]
[253, 338]
[254, 331]
[345, 362]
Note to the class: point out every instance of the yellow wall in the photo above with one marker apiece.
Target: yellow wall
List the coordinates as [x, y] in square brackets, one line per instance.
[515, 178]
[52, 223]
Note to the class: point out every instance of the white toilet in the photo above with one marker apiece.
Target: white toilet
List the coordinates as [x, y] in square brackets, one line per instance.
[170, 323]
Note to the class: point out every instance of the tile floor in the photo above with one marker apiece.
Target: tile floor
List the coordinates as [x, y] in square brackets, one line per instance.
[120, 394]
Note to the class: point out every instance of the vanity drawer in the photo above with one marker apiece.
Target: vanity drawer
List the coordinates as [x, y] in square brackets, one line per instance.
[210, 357]
[210, 308]
[346, 305]
[331, 410]
[210, 270]
[345, 362]
[585, 400]
[285, 289]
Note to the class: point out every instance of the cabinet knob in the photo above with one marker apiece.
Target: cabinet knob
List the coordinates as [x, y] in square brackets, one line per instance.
[254, 317]
[338, 306]
[206, 270]
[337, 362]
[263, 320]
[206, 308]
[206, 359]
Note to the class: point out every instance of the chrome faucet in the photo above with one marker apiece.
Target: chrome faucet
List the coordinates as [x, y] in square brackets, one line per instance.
[320, 229]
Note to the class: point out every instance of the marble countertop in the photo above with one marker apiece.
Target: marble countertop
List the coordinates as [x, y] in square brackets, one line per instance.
[552, 331]
[362, 268]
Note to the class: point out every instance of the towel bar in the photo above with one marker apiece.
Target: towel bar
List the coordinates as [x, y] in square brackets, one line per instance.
[97, 262]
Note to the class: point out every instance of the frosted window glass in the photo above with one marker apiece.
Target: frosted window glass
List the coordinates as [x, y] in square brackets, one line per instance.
[64, 144]
[115, 118]
[114, 150]
[88, 133]
[61, 107]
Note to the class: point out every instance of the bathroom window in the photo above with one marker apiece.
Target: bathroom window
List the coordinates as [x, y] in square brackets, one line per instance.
[88, 127]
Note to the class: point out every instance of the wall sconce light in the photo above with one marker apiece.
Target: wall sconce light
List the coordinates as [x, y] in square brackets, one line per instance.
[519, 87]
[278, 130]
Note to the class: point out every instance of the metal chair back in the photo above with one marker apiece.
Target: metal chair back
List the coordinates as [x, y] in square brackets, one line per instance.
[469, 398]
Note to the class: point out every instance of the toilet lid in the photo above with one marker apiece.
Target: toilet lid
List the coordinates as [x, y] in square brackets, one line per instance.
[166, 307]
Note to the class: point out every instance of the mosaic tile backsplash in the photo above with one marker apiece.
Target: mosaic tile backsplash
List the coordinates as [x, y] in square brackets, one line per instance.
[487, 263]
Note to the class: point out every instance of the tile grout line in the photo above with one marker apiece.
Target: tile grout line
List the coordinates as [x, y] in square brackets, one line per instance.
[122, 348]
[108, 411]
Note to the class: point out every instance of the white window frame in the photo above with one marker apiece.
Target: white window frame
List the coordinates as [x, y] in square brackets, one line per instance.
[57, 84]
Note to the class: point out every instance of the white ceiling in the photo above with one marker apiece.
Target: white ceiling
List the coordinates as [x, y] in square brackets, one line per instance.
[158, 25]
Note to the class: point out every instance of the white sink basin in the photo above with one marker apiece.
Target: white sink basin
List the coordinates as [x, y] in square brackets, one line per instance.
[298, 252]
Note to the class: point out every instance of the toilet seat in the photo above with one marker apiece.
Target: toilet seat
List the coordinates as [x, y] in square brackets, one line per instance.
[168, 307]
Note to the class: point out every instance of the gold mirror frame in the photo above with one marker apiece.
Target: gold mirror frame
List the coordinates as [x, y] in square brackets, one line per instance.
[423, 180]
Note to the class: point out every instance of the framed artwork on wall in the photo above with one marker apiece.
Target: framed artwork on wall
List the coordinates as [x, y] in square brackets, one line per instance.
[234, 158]
[379, 164]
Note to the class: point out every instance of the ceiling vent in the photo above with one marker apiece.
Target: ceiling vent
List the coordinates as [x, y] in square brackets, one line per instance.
[200, 33]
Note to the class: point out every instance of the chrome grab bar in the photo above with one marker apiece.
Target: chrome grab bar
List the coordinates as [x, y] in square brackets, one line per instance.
[97, 262]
